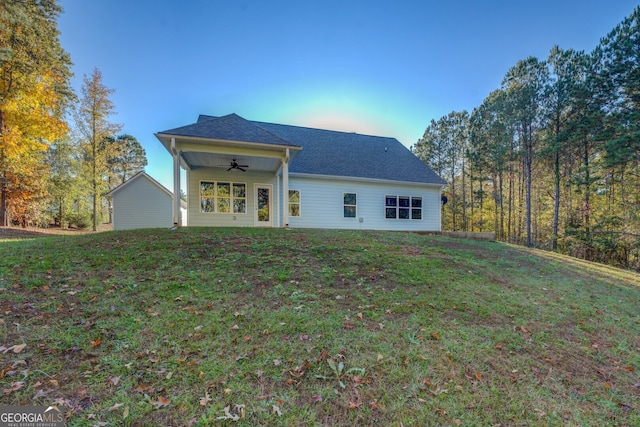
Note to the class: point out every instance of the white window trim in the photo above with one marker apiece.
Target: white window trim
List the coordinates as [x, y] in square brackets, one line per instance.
[231, 197]
[345, 205]
[397, 207]
[299, 203]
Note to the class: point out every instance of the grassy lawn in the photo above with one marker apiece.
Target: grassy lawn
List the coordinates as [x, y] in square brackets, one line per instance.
[301, 328]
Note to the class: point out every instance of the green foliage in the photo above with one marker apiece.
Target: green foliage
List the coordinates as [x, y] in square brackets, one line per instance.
[95, 128]
[556, 147]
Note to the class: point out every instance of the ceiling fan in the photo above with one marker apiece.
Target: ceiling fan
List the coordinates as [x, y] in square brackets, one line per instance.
[234, 165]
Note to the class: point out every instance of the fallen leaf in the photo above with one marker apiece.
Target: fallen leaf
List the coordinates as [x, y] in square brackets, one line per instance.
[161, 402]
[143, 388]
[116, 407]
[380, 357]
[113, 381]
[435, 336]
[355, 405]
[18, 348]
[206, 399]
[125, 414]
[316, 398]
[96, 342]
[276, 410]
[360, 316]
[228, 415]
[15, 386]
[349, 325]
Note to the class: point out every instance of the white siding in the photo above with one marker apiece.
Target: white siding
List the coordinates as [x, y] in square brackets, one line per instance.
[321, 205]
[141, 204]
[200, 219]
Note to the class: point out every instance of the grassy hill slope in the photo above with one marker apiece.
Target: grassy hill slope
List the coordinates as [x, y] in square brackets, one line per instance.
[313, 327]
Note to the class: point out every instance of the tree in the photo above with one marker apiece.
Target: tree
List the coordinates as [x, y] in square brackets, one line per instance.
[442, 147]
[34, 94]
[127, 159]
[490, 146]
[567, 74]
[92, 121]
[525, 84]
[64, 173]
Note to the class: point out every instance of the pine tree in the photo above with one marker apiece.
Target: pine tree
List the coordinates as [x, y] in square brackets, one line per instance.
[92, 122]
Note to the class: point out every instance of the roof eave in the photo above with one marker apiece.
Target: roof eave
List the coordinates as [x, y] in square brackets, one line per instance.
[360, 179]
[165, 139]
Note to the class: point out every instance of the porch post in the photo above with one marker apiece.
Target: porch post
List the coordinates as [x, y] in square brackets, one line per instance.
[285, 189]
[177, 217]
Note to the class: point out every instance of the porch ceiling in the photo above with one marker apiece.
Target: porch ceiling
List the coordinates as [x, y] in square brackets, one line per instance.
[195, 160]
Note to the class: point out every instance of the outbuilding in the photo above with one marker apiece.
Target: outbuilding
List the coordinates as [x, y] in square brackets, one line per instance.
[141, 202]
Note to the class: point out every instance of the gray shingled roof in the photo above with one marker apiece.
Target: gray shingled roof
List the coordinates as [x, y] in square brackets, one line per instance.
[324, 152]
[228, 128]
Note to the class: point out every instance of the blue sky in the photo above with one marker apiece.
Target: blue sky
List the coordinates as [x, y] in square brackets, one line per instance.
[376, 67]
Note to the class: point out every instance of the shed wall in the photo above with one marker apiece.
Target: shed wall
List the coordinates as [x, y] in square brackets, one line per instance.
[141, 204]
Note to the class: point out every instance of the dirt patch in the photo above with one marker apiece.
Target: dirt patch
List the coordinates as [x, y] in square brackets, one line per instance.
[32, 232]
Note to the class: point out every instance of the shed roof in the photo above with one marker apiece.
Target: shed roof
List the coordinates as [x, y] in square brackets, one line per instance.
[139, 175]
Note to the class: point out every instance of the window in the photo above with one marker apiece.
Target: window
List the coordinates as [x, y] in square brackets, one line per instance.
[294, 202]
[239, 198]
[223, 197]
[403, 207]
[349, 202]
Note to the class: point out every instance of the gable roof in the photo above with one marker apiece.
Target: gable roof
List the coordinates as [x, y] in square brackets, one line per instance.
[324, 152]
[139, 175]
[229, 128]
[345, 154]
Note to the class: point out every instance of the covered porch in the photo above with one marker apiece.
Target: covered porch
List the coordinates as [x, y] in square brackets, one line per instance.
[237, 173]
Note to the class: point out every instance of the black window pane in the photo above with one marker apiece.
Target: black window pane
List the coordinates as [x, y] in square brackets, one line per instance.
[416, 213]
[349, 198]
[390, 213]
[390, 201]
[349, 211]
[416, 202]
[403, 213]
[403, 202]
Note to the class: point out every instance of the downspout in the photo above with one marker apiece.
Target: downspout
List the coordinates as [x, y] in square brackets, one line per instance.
[285, 189]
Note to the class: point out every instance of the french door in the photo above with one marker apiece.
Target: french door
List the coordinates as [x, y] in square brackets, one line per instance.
[263, 211]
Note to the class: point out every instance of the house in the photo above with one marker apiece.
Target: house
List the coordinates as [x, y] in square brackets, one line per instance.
[249, 173]
[142, 202]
